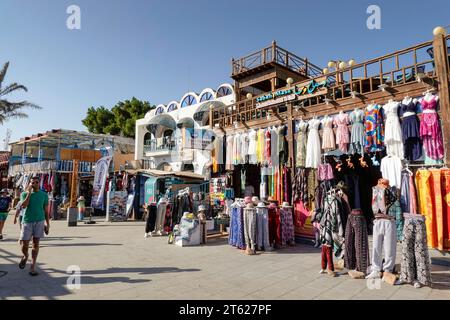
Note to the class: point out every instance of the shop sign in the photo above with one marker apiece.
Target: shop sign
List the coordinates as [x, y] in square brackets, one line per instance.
[150, 189]
[117, 206]
[101, 172]
[300, 92]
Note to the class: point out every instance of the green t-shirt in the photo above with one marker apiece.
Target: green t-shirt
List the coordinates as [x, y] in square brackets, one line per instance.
[35, 210]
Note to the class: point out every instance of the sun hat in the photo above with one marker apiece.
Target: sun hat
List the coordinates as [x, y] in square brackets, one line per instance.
[255, 200]
[248, 199]
[81, 198]
[272, 206]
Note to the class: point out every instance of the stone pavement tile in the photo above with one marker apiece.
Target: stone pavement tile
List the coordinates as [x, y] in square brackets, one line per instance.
[302, 293]
[439, 295]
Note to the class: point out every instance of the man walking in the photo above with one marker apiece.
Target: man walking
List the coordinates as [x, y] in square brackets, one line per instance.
[35, 204]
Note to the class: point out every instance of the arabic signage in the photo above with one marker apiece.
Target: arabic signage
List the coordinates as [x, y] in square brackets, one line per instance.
[300, 92]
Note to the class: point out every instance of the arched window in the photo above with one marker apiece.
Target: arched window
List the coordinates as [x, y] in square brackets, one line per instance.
[188, 101]
[159, 110]
[223, 91]
[172, 106]
[206, 97]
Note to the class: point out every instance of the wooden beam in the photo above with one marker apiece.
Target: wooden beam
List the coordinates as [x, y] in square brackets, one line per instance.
[442, 71]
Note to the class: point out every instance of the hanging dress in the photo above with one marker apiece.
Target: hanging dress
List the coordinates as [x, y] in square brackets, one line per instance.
[374, 128]
[357, 132]
[342, 133]
[328, 141]
[410, 130]
[313, 150]
[301, 143]
[393, 132]
[430, 130]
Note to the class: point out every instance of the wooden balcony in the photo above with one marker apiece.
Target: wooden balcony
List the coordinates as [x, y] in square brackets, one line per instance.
[391, 76]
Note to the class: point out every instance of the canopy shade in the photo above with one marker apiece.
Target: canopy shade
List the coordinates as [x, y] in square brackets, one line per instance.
[185, 122]
[201, 115]
[163, 120]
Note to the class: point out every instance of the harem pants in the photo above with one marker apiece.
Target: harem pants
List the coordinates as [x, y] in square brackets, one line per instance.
[356, 242]
[415, 265]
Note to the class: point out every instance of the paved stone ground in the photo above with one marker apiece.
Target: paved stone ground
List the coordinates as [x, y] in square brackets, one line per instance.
[118, 263]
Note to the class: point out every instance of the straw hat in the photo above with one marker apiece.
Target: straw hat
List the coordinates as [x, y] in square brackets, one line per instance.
[255, 200]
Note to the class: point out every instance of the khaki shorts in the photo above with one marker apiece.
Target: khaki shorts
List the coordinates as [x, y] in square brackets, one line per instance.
[32, 229]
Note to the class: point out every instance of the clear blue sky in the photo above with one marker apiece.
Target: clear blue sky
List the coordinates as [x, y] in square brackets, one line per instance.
[158, 50]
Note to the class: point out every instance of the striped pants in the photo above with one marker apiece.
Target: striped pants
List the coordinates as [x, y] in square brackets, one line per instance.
[356, 243]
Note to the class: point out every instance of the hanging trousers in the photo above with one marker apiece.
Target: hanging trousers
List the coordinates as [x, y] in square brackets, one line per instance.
[151, 219]
[356, 242]
[424, 182]
[287, 226]
[415, 265]
[446, 196]
[438, 225]
[160, 216]
[250, 228]
[327, 257]
[384, 236]
[262, 228]
[274, 227]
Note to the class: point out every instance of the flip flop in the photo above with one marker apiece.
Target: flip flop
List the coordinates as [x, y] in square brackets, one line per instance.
[23, 262]
[33, 273]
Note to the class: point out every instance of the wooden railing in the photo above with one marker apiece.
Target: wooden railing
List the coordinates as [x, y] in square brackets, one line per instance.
[388, 71]
[278, 55]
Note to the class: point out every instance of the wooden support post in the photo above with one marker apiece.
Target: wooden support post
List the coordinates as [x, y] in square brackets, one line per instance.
[73, 185]
[442, 71]
[290, 135]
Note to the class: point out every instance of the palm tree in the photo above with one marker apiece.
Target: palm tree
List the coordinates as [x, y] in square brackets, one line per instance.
[8, 109]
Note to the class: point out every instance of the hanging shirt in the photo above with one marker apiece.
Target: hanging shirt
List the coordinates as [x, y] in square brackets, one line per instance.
[244, 147]
[391, 169]
[274, 147]
[267, 146]
[252, 142]
[260, 147]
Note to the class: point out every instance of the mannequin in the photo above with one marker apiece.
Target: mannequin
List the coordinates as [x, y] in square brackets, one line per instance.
[262, 227]
[250, 227]
[384, 231]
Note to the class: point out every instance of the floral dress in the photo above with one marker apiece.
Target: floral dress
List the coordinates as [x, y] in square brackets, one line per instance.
[342, 133]
[374, 128]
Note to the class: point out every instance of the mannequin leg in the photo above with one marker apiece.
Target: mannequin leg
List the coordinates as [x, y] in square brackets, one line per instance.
[408, 264]
[378, 236]
[422, 255]
[390, 246]
[349, 258]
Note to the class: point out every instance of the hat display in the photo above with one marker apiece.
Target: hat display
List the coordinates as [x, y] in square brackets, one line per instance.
[272, 206]
[261, 205]
[249, 205]
[286, 205]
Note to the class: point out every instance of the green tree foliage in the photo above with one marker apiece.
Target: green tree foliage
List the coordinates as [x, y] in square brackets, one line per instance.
[8, 109]
[120, 120]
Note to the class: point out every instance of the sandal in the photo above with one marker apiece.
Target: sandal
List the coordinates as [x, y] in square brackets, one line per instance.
[33, 273]
[23, 262]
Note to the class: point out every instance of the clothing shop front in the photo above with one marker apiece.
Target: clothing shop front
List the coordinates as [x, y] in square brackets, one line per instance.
[353, 152]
